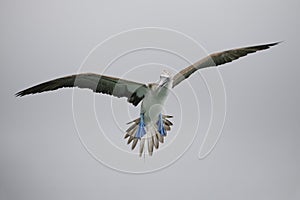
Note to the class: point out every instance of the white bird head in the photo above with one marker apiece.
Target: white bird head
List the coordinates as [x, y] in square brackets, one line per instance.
[165, 78]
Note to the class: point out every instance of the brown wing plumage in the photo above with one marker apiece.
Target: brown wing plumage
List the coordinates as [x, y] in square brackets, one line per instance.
[134, 91]
[218, 59]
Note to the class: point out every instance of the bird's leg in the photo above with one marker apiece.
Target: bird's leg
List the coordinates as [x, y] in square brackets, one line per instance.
[160, 125]
[141, 130]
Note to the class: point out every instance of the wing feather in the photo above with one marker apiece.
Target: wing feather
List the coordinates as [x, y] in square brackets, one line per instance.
[216, 59]
[134, 91]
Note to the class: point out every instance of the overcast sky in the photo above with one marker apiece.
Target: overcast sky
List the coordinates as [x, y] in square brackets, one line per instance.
[65, 145]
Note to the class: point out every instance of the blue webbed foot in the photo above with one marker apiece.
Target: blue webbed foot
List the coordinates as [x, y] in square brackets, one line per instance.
[160, 125]
[141, 130]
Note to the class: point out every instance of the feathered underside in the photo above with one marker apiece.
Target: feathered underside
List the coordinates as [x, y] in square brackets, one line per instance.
[217, 59]
[133, 91]
[152, 137]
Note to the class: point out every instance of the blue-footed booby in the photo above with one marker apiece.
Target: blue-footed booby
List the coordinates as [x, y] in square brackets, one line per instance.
[152, 125]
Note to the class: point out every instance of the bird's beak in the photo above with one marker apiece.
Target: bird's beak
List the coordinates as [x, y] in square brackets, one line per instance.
[163, 81]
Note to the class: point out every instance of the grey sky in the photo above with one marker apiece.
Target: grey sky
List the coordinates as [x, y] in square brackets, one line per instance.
[257, 157]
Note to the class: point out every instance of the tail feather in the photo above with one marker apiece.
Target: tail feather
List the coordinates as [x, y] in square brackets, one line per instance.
[166, 127]
[126, 136]
[142, 145]
[150, 146]
[131, 127]
[155, 140]
[130, 139]
[132, 131]
[167, 116]
[160, 138]
[135, 140]
[136, 121]
[167, 122]
[152, 135]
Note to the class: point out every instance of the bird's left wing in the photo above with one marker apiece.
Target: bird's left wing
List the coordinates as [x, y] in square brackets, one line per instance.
[216, 59]
[117, 87]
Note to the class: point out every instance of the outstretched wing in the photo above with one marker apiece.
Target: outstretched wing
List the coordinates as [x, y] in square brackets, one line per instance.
[134, 91]
[218, 59]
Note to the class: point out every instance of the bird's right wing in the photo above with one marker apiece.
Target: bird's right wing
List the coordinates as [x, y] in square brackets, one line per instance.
[117, 87]
[218, 59]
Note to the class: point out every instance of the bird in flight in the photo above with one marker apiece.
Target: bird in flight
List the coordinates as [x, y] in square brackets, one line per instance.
[152, 126]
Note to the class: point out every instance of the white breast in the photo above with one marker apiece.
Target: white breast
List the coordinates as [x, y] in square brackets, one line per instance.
[153, 102]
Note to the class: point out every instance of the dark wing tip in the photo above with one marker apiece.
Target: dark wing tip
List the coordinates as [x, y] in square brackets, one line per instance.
[275, 43]
[20, 94]
[261, 47]
[271, 44]
[28, 91]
